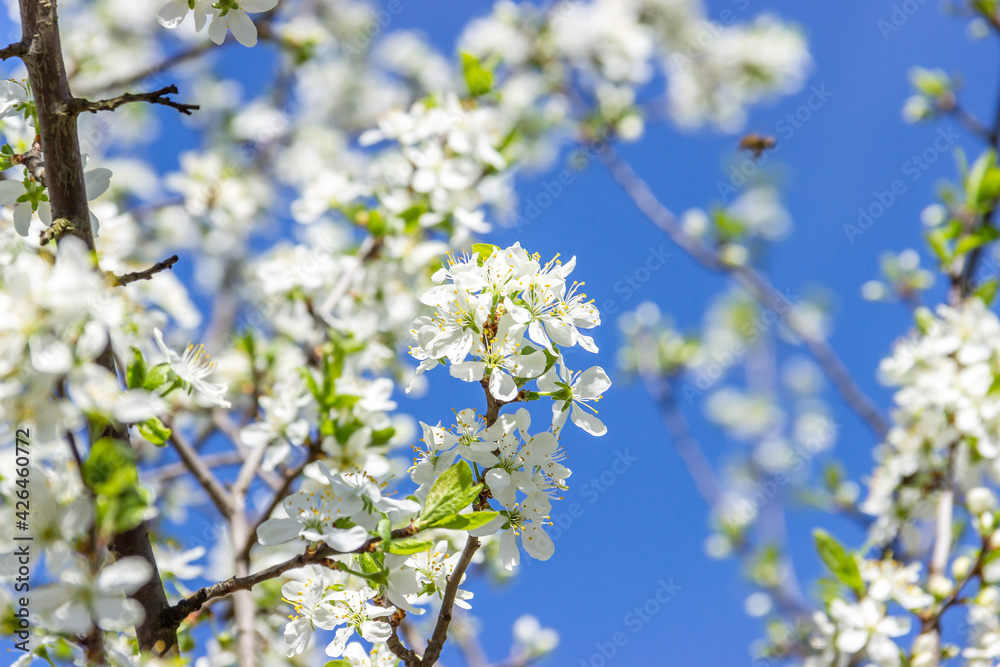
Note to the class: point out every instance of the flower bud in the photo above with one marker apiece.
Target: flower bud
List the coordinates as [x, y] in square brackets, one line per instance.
[980, 499]
[961, 567]
[940, 586]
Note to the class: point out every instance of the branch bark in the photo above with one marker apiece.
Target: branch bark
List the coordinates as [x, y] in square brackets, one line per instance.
[147, 274]
[440, 634]
[199, 598]
[41, 51]
[79, 105]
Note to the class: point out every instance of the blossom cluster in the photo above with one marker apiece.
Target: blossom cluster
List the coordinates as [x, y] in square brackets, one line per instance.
[390, 153]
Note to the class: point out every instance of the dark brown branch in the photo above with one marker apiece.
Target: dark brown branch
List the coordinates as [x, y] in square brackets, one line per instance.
[79, 105]
[15, 50]
[440, 634]
[148, 274]
[41, 52]
[755, 283]
[199, 598]
[408, 656]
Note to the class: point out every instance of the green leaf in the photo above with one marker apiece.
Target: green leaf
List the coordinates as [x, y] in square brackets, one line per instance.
[384, 530]
[977, 174]
[155, 431]
[409, 545]
[137, 371]
[337, 663]
[110, 472]
[157, 376]
[369, 563]
[383, 435]
[939, 244]
[477, 78]
[469, 521]
[484, 250]
[452, 492]
[988, 291]
[840, 563]
[976, 239]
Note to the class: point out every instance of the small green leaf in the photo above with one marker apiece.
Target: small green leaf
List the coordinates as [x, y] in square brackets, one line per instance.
[370, 563]
[384, 530]
[155, 431]
[484, 250]
[452, 492]
[939, 244]
[840, 563]
[469, 521]
[337, 663]
[157, 376]
[409, 545]
[137, 371]
[976, 239]
[988, 291]
[477, 78]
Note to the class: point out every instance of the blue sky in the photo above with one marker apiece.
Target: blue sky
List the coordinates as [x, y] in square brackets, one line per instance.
[647, 527]
[650, 524]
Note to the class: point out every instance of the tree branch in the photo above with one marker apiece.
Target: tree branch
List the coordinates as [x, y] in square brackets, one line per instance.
[440, 634]
[199, 598]
[78, 105]
[685, 443]
[159, 68]
[408, 656]
[750, 279]
[279, 495]
[179, 469]
[41, 52]
[148, 274]
[222, 499]
[15, 50]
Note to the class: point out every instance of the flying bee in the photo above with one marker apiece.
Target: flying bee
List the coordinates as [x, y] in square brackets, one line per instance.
[757, 143]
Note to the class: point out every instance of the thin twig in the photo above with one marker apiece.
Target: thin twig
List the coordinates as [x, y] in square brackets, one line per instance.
[279, 495]
[685, 443]
[971, 123]
[199, 598]
[153, 71]
[173, 470]
[408, 656]
[440, 634]
[147, 274]
[79, 105]
[223, 501]
[751, 280]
